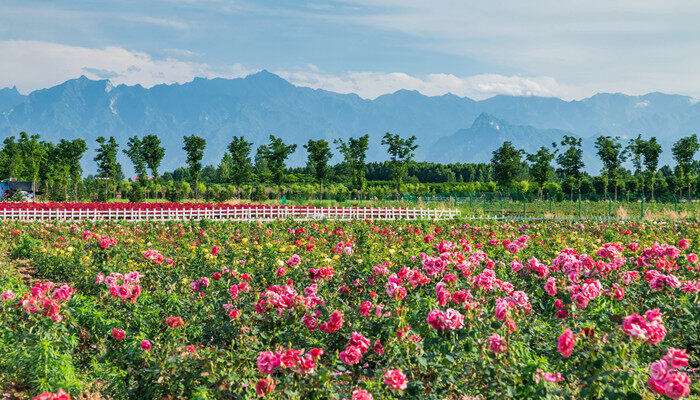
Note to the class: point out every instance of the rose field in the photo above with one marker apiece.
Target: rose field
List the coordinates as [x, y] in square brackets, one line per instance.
[349, 310]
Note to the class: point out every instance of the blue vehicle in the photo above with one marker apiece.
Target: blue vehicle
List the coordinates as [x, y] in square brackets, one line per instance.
[10, 187]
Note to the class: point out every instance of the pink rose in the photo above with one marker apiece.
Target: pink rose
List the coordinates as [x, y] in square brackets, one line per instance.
[118, 334]
[436, 319]
[361, 394]
[658, 370]
[146, 345]
[676, 358]
[566, 343]
[496, 343]
[267, 362]
[656, 386]
[677, 385]
[453, 319]
[395, 379]
[351, 355]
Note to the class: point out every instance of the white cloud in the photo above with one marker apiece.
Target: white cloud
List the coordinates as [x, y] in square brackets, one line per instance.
[373, 84]
[34, 65]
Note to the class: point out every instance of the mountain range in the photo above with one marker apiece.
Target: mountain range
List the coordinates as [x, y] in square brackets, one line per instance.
[448, 128]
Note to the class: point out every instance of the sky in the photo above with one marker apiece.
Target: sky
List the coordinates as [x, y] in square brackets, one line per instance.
[477, 49]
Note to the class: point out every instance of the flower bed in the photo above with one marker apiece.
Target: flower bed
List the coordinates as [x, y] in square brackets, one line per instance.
[357, 310]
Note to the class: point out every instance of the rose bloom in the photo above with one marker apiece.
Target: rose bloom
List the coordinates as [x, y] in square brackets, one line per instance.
[677, 385]
[118, 334]
[658, 370]
[267, 362]
[453, 319]
[676, 358]
[566, 343]
[496, 343]
[146, 345]
[174, 322]
[656, 386]
[395, 379]
[351, 355]
[265, 386]
[361, 394]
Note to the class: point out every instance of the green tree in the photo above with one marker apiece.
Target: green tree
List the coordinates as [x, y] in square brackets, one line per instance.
[609, 150]
[684, 153]
[10, 159]
[33, 155]
[239, 150]
[134, 150]
[571, 162]
[652, 151]
[401, 152]
[275, 154]
[194, 147]
[73, 153]
[107, 166]
[506, 161]
[354, 152]
[153, 154]
[319, 155]
[635, 148]
[541, 166]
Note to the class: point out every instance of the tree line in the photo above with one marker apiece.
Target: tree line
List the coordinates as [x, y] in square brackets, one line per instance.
[56, 167]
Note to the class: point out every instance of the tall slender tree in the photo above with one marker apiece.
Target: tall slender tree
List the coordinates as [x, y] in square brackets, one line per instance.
[134, 150]
[609, 150]
[401, 152]
[33, 154]
[319, 155]
[635, 149]
[73, 154]
[684, 153]
[570, 161]
[275, 154]
[153, 154]
[541, 166]
[354, 152]
[652, 151]
[239, 150]
[106, 159]
[194, 147]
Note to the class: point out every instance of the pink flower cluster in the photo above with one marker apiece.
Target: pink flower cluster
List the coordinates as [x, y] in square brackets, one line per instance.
[154, 255]
[497, 343]
[60, 395]
[357, 347]
[450, 319]
[38, 300]
[122, 286]
[566, 343]
[294, 360]
[200, 284]
[7, 295]
[650, 327]
[548, 376]
[395, 379]
[665, 378]
[107, 242]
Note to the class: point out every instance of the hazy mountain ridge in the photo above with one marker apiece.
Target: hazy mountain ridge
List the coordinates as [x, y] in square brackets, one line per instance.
[263, 104]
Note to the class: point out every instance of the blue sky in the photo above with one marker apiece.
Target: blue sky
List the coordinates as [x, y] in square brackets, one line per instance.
[470, 48]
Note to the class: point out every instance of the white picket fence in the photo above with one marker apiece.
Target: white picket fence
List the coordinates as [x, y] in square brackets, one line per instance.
[233, 214]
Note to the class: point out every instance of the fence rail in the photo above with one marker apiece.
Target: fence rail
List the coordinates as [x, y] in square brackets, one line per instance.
[226, 214]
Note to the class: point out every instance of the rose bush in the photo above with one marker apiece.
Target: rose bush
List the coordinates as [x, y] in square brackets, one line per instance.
[354, 310]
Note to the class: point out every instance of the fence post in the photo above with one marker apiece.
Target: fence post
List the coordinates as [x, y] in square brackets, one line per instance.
[579, 206]
[470, 201]
[642, 216]
[675, 203]
[524, 201]
[501, 198]
[484, 196]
